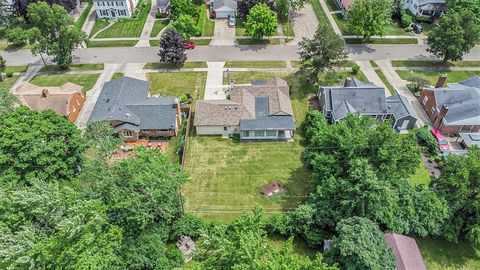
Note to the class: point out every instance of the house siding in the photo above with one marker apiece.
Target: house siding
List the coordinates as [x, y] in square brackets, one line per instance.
[216, 130]
[114, 9]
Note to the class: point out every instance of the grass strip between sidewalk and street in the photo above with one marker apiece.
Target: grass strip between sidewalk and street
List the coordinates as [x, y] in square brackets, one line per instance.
[111, 43]
[272, 41]
[16, 69]
[159, 65]
[389, 86]
[77, 67]
[382, 41]
[427, 63]
[255, 64]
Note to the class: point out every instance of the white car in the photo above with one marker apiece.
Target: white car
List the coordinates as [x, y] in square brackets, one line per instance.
[232, 21]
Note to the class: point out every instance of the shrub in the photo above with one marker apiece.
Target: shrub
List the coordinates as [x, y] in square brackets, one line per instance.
[426, 139]
[17, 36]
[201, 19]
[406, 20]
[9, 73]
[189, 225]
[417, 84]
[355, 69]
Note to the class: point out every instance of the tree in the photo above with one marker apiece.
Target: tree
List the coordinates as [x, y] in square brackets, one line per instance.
[182, 7]
[282, 10]
[172, 48]
[454, 36]
[243, 245]
[296, 5]
[245, 6]
[261, 21]
[459, 5]
[52, 33]
[360, 244]
[102, 136]
[17, 36]
[38, 147]
[367, 18]
[459, 185]
[399, 8]
[20, 7]
[3, 67]
[185, 26]
[7, 101]
[321, 53]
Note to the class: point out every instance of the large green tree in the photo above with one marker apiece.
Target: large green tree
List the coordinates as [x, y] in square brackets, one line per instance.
[321, 53]
[245, 6]
[182, 7]
[367, 18]
[7, 101]
[459, 184]
[52, 33]
[459, 5]
[103, 138]
[454, 36]
[185, 26]
[360, 244]
[261, 22]
[38, 146]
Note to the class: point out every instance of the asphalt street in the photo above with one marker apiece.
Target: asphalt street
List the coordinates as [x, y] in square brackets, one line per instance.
[230, 53]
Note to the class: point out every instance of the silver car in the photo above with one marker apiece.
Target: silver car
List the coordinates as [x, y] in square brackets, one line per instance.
[232, 21]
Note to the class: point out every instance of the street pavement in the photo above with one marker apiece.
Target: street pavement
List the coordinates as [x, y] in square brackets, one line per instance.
[231, 53]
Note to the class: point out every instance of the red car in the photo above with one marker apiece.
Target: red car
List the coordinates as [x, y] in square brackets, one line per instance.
[189, 45]
[442, 142]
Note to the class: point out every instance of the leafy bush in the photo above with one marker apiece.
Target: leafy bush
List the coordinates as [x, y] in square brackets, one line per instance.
[17, 36]
[201, 19]
[189, 225]
[426, 139]
[406, 20]
[9, 73]
[417, 84]
[355, 69]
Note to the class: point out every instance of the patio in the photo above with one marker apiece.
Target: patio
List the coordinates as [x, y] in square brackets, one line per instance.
[127, 149]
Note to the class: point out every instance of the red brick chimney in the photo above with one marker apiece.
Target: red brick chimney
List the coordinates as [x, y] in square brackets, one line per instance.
[441, 81]
[441, 114]
[44, 93]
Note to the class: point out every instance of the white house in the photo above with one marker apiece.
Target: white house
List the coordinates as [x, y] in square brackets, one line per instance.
[426, 8]
[163, 6]
[224, 9]
[114, 9]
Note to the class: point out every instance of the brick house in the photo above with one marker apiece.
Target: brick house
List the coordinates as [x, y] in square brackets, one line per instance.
[127, 104]
[454, 109]
[67, 100]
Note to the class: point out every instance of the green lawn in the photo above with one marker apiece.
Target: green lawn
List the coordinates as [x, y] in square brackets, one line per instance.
[128, 27]
[178, 83]
[198, 42]
[8, 82]
[255, 64]
[117, 75]
[208, 27]
[383, 41]
[112, 43]
[239, 28]
[226, 175]
[15, 69]
[426, 63]
[373, 63]
[299, 246]
[432, 76]
[83, 17]
[272, 41]
[421, 176]
[389, 86]
[392, 29]
[440, 254]
[185, 65]
[287, 29]
[77, 67]
[158, 26]
[98, 25]
[326, 79]
[85, 80]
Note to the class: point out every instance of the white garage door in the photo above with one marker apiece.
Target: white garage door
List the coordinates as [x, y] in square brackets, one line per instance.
[224, 14]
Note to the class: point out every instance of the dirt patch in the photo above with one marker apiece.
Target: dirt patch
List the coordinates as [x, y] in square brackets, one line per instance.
[432, 167]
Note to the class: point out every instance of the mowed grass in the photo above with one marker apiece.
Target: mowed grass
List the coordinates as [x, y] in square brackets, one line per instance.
[8, 82]
[85, 80]
[255, 64]
[98, 25]
[83, 17]
[15, 69]
[421, 176]
[128, 27]
[226, 175]
[432, 76]
[439, 254]
[389, 86]
[392, 28]
[111, 43]
[382, 41]
[172, 66]
[175, 84]
[208, 27]
[158, 26]
[117, 75]
[287, 29]
[249, 41]
[426, 63]
[77, 67]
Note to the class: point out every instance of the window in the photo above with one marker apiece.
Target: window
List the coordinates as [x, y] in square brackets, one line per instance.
[425, 100]
[127, 133]
[122, 12]
[246, 133]
[467, 128]
[224, 128]
[120, 4]
[104, 12]
[271, 133]
[259, 133]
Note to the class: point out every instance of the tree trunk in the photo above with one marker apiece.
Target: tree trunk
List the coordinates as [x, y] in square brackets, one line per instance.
[1, 77]
[41, 56]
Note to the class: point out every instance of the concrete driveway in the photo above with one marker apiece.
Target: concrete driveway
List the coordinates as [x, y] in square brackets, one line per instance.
[223, 34]
[304, 23]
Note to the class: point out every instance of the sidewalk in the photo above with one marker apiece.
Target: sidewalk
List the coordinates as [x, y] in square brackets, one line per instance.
[372, 76]
[26, 77]
[330, 17]
[148, 26]
[214, 86]
[88, 25]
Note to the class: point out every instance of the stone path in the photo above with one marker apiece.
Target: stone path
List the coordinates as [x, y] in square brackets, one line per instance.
[148, 26]
[371, 75]
[214, 86]
[304, 24]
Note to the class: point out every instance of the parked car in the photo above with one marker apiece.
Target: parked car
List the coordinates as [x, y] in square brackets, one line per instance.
[442, 142]
[189, 45]
[232, 22]
[417, 28]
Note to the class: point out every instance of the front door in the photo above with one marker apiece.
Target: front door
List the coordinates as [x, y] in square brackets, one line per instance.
[112, 12]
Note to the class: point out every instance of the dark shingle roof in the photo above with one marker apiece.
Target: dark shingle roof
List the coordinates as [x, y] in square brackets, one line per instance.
[126, 100]
[225, 5]
[399, 106]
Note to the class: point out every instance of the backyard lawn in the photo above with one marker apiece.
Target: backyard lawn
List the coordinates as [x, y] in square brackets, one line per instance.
[8, 82]
[439, 254]
[128, 27]
[226, 175]
[421, 176]
[432, 76]
[178, 83]
[85, 80]
[158, 26]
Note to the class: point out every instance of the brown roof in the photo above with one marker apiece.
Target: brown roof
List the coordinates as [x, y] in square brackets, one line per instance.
[406, 251]
[57, 98]
[242, 104]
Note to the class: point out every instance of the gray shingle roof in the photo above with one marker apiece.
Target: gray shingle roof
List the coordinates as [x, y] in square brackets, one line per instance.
[225, 5]
[163, 3]
[399, 106]
[263, 120]
[126, 100]
[471, 139]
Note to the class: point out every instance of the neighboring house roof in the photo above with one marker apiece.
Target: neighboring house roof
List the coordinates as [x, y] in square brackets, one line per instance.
[425, 2]
[463, 101]
[42, 98]
[471, 139]
[126, 100]
[364, 98]
[346, 3]
[263, 106]
[225, 5]
[406, 251]
[163, 3]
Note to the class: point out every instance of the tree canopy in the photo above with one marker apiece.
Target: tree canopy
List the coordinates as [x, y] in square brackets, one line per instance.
[367, 18]
[459, 5]
[261, 22]
[245, 6]
[182, 7]
[185, 26]
[172, 48]
[20, 7]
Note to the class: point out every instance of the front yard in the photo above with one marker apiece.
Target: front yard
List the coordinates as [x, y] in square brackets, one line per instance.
[176, 84]
[432, 76]
[8, 82]
[392, 29]
[85, 80]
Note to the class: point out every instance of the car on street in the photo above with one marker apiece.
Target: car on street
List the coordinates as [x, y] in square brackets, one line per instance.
[442, 142]
[189, 45]
[417, 28]
[232, 22]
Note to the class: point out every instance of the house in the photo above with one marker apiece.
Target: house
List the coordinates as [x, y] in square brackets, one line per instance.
[163, 7]
[7, 6]
[454, 109]
[127, 104]
[261, 111]
[355, 96]
[426, 8]
[114, 9]
[406, 252]
[224, 9]
[67, 100]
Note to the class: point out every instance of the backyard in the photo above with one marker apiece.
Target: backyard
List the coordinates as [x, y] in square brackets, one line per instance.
[432, 76]
[85, 80]
[440, 254]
